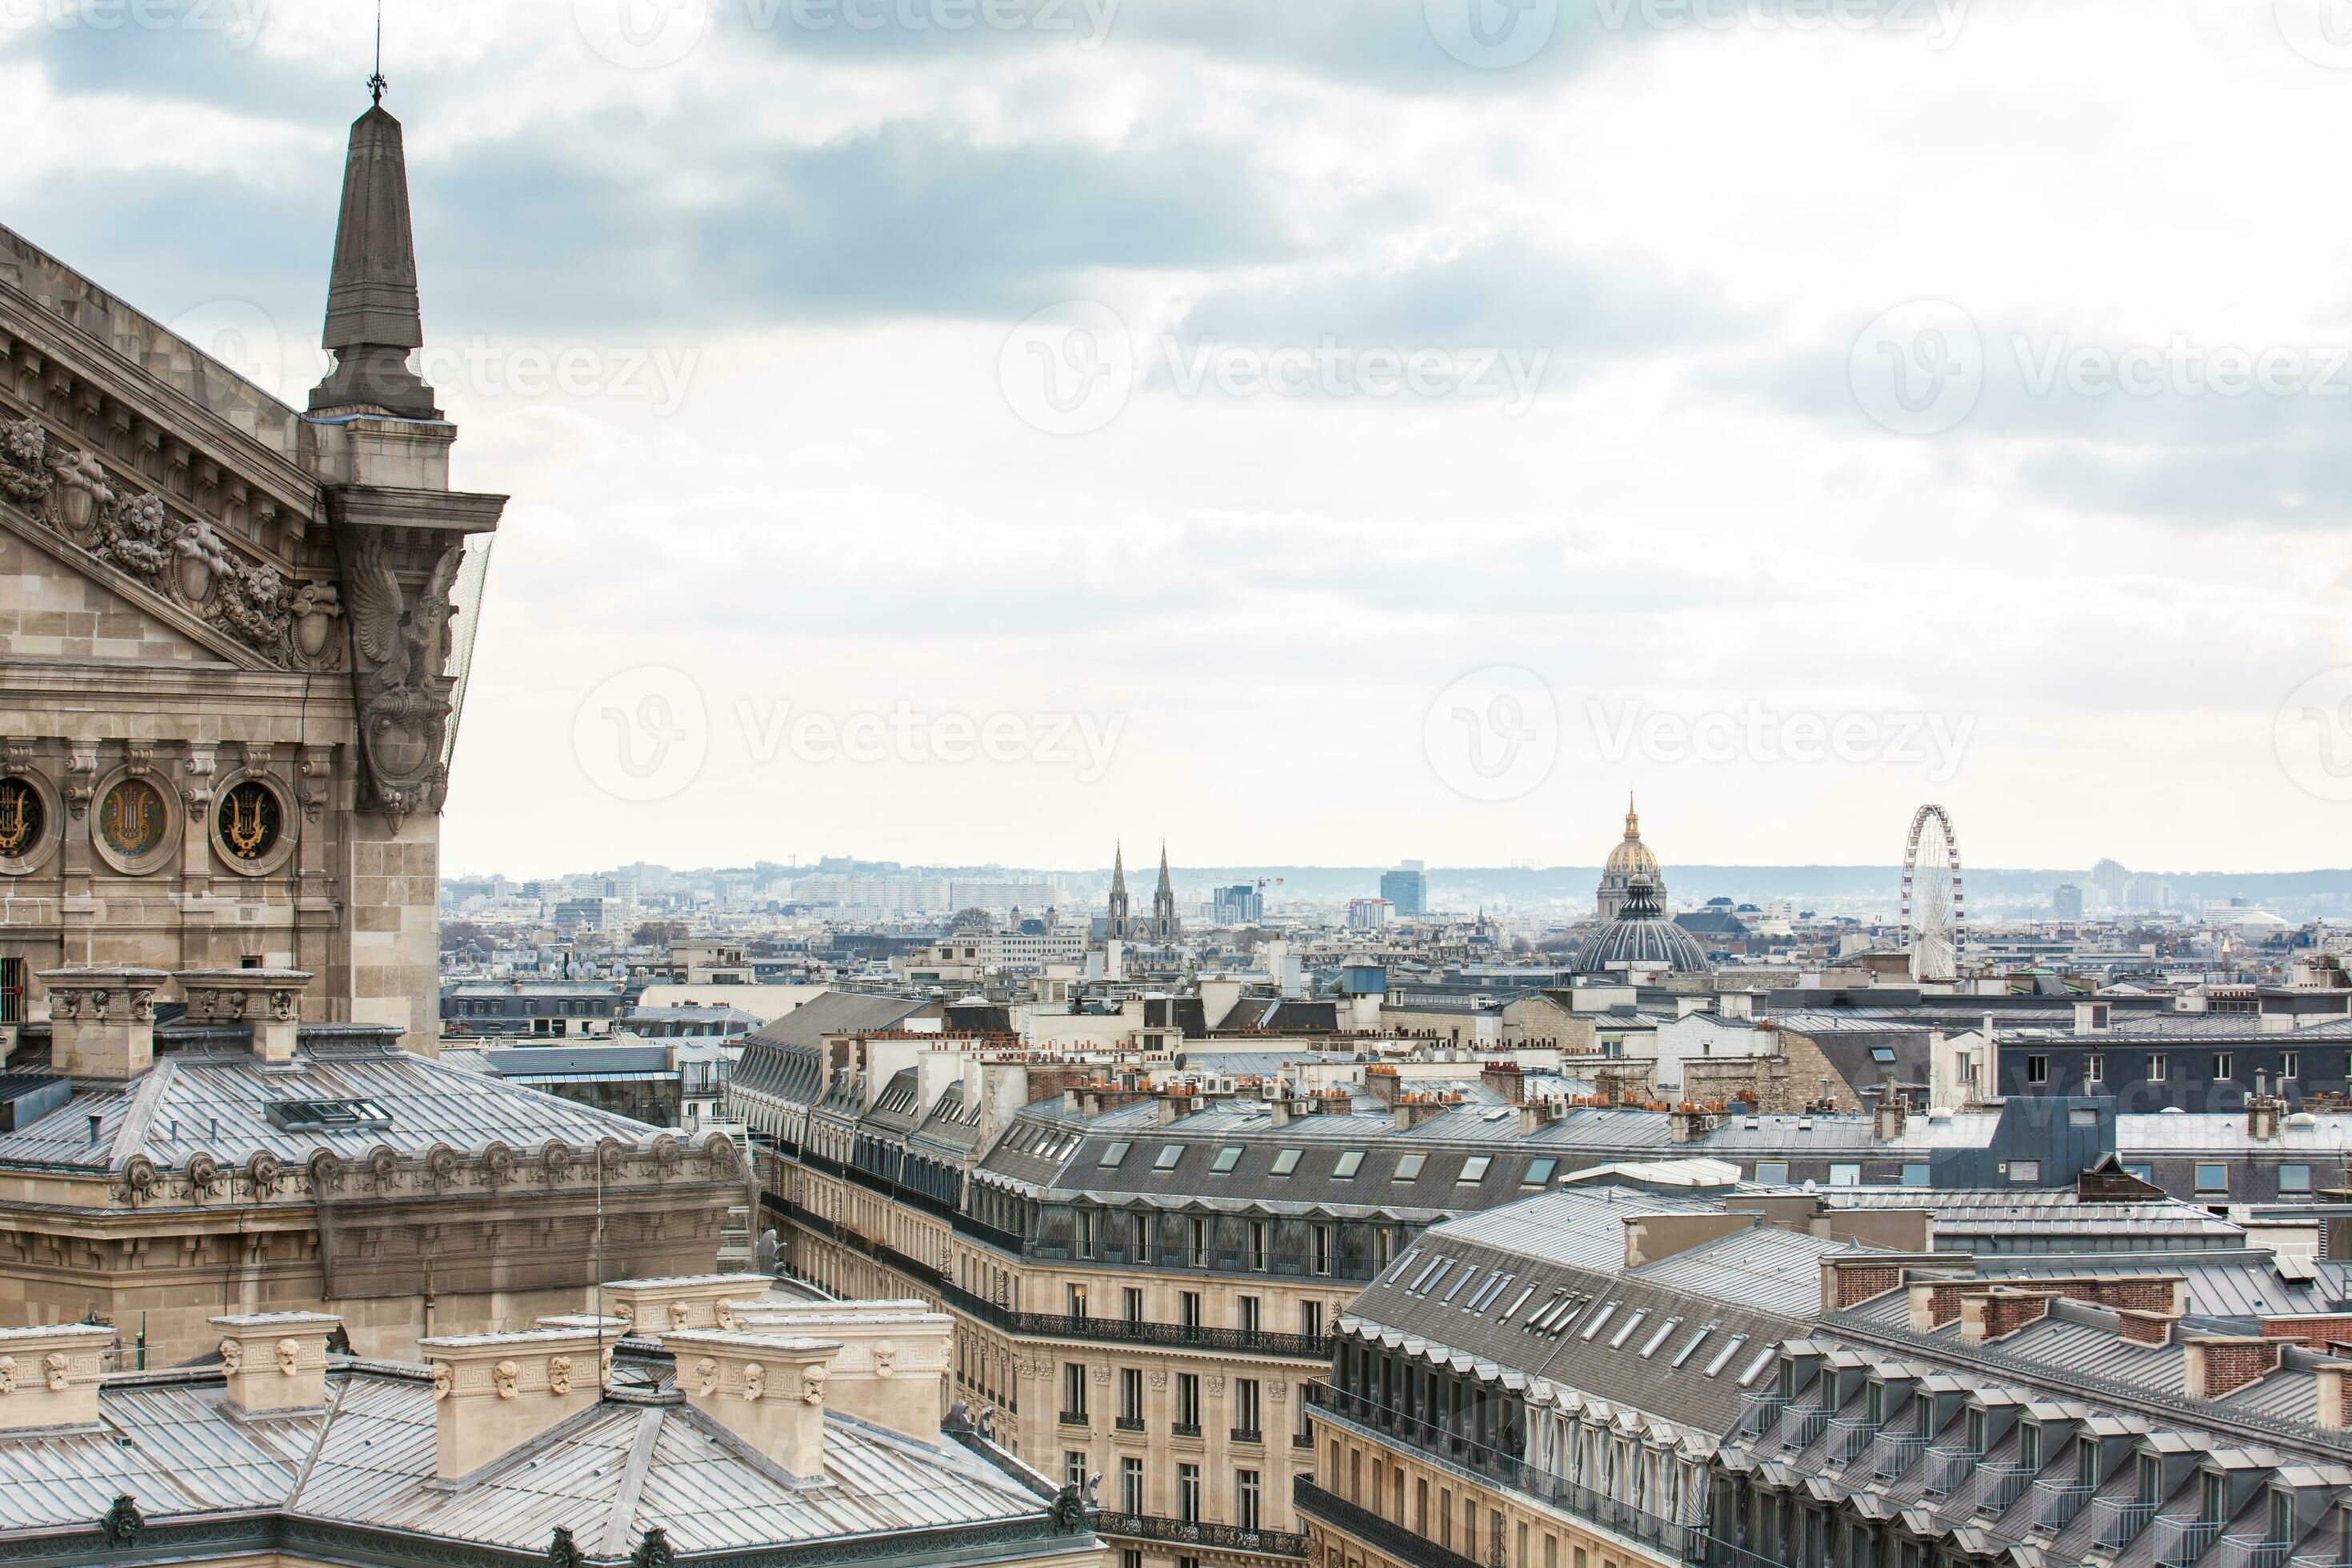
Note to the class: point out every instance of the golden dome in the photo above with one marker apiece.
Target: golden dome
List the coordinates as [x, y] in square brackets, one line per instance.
[1631, 858]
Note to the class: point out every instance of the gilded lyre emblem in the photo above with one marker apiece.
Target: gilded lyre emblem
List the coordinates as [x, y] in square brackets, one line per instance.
[20, 817]
[132, 817]
[249, 820]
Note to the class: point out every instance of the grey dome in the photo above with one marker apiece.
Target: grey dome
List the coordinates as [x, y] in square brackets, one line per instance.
[1642, 936]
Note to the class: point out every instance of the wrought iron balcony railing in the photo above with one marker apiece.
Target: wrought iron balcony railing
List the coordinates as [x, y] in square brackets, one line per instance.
[1946, 1468]
[2055, 1503]
[2180, 1540]
[2120, 1520]
[1200, 1533]
[1892, 1453]
[1391, 1540]
[2249, 1551]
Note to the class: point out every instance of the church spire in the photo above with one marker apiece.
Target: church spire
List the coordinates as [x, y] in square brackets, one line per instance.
[373, 319]
[1632, 822]
[1114, 923]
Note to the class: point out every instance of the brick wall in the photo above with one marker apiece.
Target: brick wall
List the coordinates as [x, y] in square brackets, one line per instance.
[2216, 1367]
[2006, 1311]
[2314, 1331]
[1857, 1285]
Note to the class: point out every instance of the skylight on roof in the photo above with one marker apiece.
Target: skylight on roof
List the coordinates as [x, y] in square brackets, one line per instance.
[1227, 1158]
[1512, 1310]
[1169, 1154]
[1474, 1169]
[1756, 1368]
[1114, 1154]
[1696, 1340]
[1408, 1167]
[1350, 1161]
[1730, 1349]
[1467, 1275]
[1600, 1320]
[1659, 1338]
[1538, 1172]
[1286, 1162]
[329, 1115]
[1625, 1330]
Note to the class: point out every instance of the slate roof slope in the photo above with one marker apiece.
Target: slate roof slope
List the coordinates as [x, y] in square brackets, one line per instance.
[169, 1440]
[1673, 1338]
[838, 1013]
[190, 1103]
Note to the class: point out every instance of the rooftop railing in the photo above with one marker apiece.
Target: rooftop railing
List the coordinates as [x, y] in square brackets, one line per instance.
[1946, 1468]
[1849, 1436]
[1892, 1453]
[2180, 1540]
[2120, 1520]
[2249, 1551]
[2055, 1503]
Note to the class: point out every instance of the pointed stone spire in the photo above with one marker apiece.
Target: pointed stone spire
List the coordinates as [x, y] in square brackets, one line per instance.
[1116, 924]
[1633, 822]
[374, 320]
[1165, 887]
[1119, 871]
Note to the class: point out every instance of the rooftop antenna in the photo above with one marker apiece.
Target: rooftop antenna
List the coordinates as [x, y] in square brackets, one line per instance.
[376, 84]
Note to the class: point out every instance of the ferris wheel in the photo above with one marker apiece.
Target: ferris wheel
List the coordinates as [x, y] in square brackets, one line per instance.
[1933, 913]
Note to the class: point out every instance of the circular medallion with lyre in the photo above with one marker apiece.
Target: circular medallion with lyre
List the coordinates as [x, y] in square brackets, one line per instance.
[250, 821]
[21, 817]
[132, 819]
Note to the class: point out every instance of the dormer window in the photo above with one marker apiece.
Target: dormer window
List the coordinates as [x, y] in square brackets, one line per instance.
[2029, 1446]
[1927, 1416]
[2212, 1499]
[2086, 1466]
[2151, 1476]
[1876, 1405]
[1977, 1430]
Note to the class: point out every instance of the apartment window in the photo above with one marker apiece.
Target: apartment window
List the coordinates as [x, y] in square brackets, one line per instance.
[1351, 1162]
[1087, 1218]
[1188, 1400]
[1187, 1308]
[2294, 1179]
[2223, 1063]
[2156, 1069]
[2212, 1178]
[1976, 1431]
[1246, 1313]
[1245, 1498]
[1310, 1320]
[1474, 1169]
[12, 990]
[1074, 1300]
[1246, 1407]
[1916, 1175]
[1188, 1493]
[1199, 1243]
[1074, 1393]
[1131, 1304]
[1845, 1176]
[2037, 1069]
[1286, 1162]
[1227, 1158]
[1130, 1558]
[1258, 1247]
[1074, 1468]
[1382, 1243]
[1408, 1167]
[1130, 1395]
[1130, 1486]
[1322, 1249]
[1773, 1172]
[2095, 1069]
[2029, 1446]
[2290, 1064]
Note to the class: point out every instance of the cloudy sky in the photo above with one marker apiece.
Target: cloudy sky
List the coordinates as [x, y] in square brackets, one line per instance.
[965, 430]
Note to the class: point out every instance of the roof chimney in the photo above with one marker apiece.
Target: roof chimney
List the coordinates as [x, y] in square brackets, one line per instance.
[655, 1307]
[374, 320]
[276, 1361]
[493, 1391]
[2264, 1110]
[270, 1000]
[102, 1020]
[767, 1390]
[49, 1376]
[893, 1363]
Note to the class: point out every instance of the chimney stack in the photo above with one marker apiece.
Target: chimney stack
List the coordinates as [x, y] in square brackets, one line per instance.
[768, 1390]
[892, 1366]
[655, 1307]
[102, 1020]
[494, 1391]
[276, 1361]
[269, 1000]
[49, 1376]
[2265, 1112]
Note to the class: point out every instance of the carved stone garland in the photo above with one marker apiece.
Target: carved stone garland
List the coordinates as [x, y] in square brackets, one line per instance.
[183, 559]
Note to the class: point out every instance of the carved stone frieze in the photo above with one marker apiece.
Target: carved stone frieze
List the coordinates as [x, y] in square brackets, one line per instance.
[398, 583]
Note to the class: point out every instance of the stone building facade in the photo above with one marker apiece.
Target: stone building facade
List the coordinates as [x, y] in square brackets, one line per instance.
[228, 700]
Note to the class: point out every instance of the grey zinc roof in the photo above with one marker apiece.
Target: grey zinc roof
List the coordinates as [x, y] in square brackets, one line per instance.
[169, 1441]
[835, 1013]
[219, 1105]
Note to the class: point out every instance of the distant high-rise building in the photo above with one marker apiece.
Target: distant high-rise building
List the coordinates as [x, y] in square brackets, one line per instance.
[1367, 914]
[2066, 902]
[1240, 905]
[2110, 883]
[1406, 888]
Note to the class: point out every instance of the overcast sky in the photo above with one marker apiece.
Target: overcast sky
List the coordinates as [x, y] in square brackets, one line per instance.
[965, 430]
